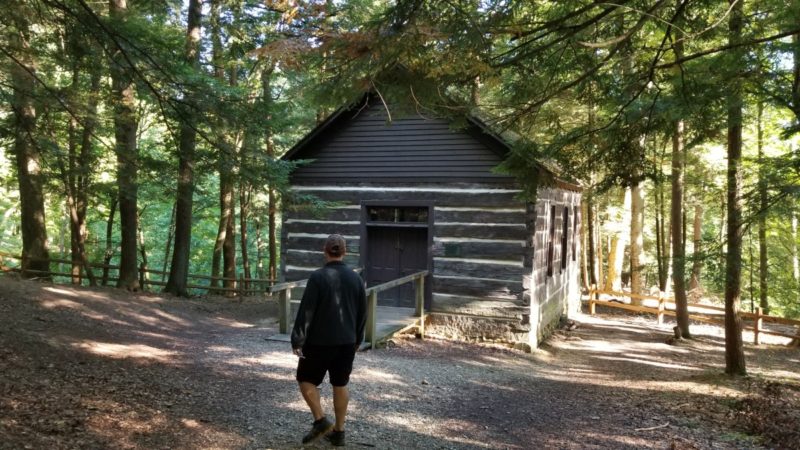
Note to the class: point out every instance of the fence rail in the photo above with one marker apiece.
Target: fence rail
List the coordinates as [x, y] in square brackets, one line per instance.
[241, 288]
[666, 306]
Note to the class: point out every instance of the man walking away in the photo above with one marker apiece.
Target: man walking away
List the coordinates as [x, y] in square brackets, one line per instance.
[327, 332]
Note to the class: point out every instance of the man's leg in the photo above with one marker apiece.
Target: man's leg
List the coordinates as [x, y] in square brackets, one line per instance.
[340, 399]
[311, 396]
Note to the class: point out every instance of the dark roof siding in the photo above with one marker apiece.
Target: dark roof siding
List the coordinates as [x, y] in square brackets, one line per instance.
[363, 146]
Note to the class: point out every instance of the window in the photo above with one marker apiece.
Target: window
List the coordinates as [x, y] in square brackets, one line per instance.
[551, 241]
[564, 236]
[412, 214]
[575, 235]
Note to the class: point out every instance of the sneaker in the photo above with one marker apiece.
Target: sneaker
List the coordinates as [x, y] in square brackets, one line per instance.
[319, 428]
[336, 438]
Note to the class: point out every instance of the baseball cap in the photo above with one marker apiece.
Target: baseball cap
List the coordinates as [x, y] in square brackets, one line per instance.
[335, 245]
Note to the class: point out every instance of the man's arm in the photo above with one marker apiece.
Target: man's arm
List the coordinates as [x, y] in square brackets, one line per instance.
[305, 314]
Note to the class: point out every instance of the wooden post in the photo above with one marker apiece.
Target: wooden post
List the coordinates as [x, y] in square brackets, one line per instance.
[419, 285]
[372, 332]
[661, 307]
[757, 326]
[592, 293]
[285, 309]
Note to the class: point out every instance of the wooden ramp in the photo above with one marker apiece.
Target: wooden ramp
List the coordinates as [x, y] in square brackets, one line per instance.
[389, 320]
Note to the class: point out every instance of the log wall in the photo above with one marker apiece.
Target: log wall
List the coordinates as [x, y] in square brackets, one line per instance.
[487, 248]
[555, 293]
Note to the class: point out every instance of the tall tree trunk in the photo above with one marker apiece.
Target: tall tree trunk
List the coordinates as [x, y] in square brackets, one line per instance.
[666, 252]
[260, 273]
[224, 153]
[272, 211]
[591, 246]
[762, 215]
[69, 174]
[601, 243]
[795, 258]
[244, 213]
[697, 254]
[109, 238]
[678, 247]
[170, 237]
[659, 240]
[144, 276]
[616, 253]
[229, 245]
[179, 268]
[125, 124]
[637, 239]
[584, 237]
[35, 257]
[77, 173]
[734, 350]
[86, 161]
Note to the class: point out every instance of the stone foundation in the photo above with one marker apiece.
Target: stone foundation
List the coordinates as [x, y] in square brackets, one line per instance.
[479, 329]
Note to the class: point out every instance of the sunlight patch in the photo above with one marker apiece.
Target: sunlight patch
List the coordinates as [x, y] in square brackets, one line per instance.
[61, 303]
[232, 323]
[120, 351]
[380, 376]
[59, 291]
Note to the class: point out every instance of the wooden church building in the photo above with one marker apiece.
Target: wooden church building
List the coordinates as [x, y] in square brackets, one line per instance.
[412, 193]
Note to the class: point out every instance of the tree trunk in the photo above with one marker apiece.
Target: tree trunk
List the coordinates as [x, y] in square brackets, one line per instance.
[143, 274]
[170, 237]
[678, 247]
[76, 174]
[109, 238]
[697, 254]
[591, 246]
[222, 247]
[616, 253]
[795, 259]
[600, 244]
[125, 124]
[762, 216]
[734, 350]
[584, 237]
[637, 240]
[260, 273]
[667, 251]
[179, 268]
[35, 257]
[244, 213]
[266, 90]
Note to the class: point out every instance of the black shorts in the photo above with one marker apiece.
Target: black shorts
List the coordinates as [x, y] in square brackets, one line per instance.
[337, 360]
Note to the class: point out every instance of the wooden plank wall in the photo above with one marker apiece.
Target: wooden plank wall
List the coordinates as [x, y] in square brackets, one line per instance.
[480, 248]
[552, 296]
[367, 145]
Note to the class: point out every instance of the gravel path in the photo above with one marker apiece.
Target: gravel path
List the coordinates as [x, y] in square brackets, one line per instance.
[101, 368]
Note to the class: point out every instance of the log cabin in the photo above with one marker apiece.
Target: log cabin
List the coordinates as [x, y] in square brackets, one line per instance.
[411, 192]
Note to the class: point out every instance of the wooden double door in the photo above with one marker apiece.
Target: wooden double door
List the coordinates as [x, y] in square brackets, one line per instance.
[394, 252]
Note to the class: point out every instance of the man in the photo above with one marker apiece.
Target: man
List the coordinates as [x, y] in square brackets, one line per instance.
[327, 332]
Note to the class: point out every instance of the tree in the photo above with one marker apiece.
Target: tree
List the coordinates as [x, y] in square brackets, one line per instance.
[678, 247]
[125, 126]
[179, 268]
[734, 351]
[35, 257]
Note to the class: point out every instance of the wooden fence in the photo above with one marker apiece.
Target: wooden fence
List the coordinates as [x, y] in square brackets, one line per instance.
[244, 286]
[666, 306]
[284, 291]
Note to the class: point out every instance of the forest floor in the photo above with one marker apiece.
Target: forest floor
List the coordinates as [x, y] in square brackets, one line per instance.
[101, 368]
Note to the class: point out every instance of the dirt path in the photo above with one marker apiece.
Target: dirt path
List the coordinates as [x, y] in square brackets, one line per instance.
[102, 368]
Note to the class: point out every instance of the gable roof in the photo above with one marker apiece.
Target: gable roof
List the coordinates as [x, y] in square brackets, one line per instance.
[467, 163]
